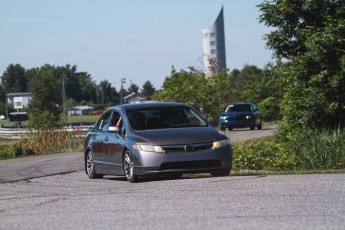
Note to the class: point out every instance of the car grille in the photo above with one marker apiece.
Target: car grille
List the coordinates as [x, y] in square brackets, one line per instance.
[187, 148]
[236, 118]
[190, 164]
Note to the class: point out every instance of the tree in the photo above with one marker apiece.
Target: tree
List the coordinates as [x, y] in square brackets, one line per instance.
[209, 95]
[310, 35]
[78, 85]
[133, 88]
[148, 90]
[14, 79]
[45, 107]
[248, 84]
[107, 94]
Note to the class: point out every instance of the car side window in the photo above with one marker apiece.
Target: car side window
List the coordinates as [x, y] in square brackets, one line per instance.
[117, 121]
[103, 122]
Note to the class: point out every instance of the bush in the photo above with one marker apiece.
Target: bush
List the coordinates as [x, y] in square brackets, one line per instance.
[8, 151]
[261, 154]
[44, 142]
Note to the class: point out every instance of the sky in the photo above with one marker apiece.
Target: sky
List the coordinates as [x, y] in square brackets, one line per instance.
[139, 40]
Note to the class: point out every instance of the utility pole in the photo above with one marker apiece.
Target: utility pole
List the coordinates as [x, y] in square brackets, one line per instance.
[64, 110]
[123, 81]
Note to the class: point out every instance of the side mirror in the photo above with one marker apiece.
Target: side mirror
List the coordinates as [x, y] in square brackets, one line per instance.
[113, 129]
[213, 123]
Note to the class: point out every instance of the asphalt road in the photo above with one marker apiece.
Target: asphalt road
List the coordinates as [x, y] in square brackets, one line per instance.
[53, 192]
[72, 201]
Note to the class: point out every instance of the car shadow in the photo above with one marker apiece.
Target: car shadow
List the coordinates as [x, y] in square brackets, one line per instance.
[184, 177]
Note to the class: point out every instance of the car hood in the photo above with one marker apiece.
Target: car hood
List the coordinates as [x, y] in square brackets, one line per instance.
[235, 114]
[182, 136]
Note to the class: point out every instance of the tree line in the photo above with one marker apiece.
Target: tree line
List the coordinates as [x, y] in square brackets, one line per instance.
[212, 94]
[45, 85]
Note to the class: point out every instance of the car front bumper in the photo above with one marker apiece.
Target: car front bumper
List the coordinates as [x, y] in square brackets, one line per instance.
[236, 123]
[179, 162]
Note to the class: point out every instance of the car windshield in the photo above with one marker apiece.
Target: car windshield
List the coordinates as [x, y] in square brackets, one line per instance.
[164, 117]
[239, 108]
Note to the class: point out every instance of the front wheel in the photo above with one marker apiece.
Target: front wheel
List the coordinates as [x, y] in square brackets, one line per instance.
[220, 173]
[128, 167]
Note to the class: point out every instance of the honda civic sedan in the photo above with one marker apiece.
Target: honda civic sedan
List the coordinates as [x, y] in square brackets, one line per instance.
[150, 139]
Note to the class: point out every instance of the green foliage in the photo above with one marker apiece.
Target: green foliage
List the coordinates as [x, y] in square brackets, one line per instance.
[133, 88]
[44, 119]
[148, 90]
[310, 34]
[9, 151]
[318, 150]
[14, 79]
[213, 94]
[261, 154]
[309, 150]
[107, 94]
[182, 87]
[44, 109]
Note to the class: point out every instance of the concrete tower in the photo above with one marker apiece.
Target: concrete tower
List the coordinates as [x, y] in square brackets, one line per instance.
[214, 46]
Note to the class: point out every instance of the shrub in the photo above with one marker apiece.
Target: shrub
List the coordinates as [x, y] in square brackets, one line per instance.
[44, 142]
[261, 154]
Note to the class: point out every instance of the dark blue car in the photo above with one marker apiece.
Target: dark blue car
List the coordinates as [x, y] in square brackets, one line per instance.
[241, 115]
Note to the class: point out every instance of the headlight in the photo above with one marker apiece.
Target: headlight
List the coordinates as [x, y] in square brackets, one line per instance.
[248, 117]
[219, 144]
[149, 148]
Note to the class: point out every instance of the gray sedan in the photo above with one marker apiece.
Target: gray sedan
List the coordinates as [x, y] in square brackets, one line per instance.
[138, 140]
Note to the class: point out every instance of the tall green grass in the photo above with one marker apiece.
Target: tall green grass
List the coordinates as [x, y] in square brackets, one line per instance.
[319, 150]
[308, 151]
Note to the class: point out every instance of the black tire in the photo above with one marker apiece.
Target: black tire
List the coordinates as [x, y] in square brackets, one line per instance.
[230, 128]
[220, 173]
[259, 127]
[128, 167]
[89, 166]
[222, 129]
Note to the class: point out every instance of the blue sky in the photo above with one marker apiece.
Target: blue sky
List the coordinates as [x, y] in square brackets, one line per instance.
[136, 39]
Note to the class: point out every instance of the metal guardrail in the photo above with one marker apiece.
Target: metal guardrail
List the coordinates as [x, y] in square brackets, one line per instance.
[19, 133]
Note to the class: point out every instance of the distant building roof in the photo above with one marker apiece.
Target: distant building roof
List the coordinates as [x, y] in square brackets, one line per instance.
[134, 98]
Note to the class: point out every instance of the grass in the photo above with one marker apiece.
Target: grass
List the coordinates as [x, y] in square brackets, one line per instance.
[84, 118]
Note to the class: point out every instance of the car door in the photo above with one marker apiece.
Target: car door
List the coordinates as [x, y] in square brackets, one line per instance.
[113, 146]
[98, 138]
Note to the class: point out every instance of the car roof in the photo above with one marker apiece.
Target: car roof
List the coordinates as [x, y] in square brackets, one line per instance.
[147, 105]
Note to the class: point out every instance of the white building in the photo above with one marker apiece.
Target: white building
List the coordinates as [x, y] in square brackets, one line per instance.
[18, 100]
[214, 46]
[80, 110]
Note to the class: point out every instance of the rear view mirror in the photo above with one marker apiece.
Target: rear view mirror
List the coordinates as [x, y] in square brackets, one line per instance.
[113, 129]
